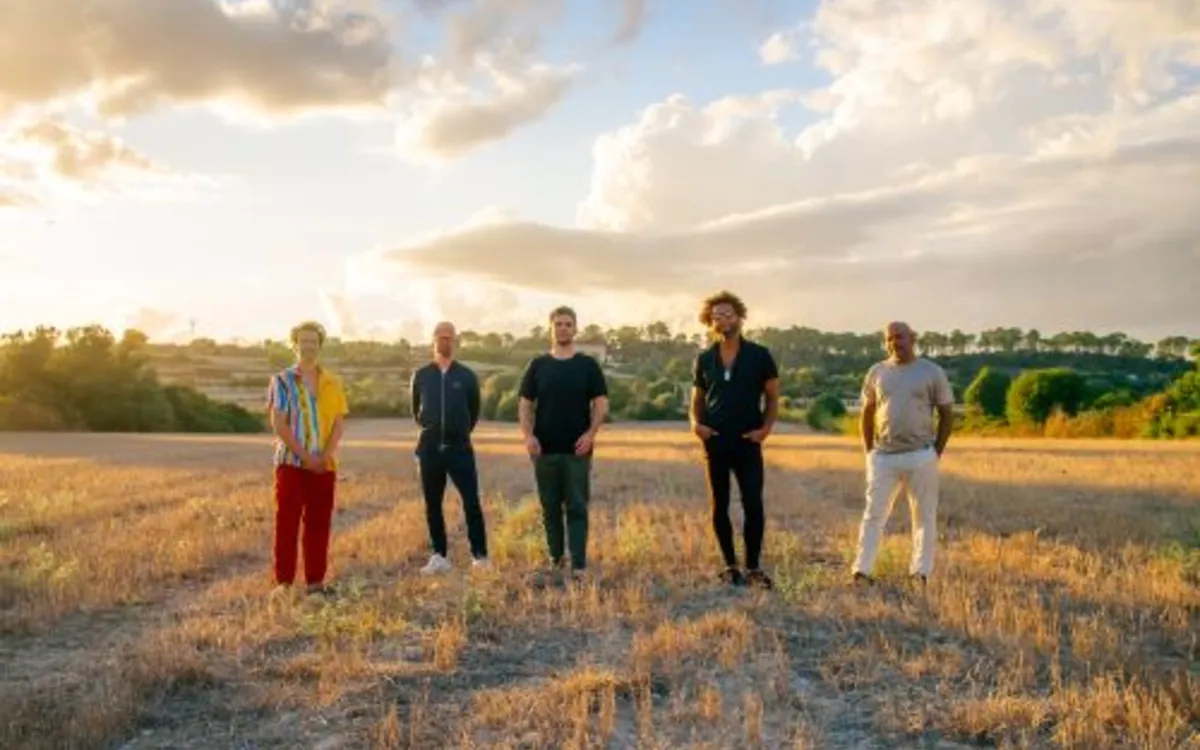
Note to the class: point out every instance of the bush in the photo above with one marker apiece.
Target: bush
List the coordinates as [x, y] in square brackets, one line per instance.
[825, 412]
[508, 408]
[664, 406]
[196, 412]
[1035, 394]
[987, 394]
[1185, 425]
[22, 416]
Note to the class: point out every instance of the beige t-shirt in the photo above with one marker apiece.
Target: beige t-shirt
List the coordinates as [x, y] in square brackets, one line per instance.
[905, 396]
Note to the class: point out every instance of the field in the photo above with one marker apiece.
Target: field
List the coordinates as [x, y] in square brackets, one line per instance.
[135, 604]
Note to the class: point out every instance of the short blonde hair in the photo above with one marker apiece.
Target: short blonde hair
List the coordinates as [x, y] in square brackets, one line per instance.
[309, 325]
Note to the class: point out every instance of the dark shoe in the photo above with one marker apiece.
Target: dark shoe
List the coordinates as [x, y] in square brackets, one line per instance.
[862, 579]
[918, 579]
[759, 579]
[320, 589]
[733, 577]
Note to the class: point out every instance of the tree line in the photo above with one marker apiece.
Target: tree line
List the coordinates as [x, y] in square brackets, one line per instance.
[1059, 402]
[797, 345]
[85, 378]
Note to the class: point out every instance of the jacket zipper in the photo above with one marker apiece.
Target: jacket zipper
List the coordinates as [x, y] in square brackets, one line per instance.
[443, 407]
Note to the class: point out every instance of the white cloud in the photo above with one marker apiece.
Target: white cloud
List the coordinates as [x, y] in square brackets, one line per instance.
[966, 155]
[40, 158]
[157, 324]
[82, 156]
[266, 60]
[778, 48]
[130, 56]
[453, 121]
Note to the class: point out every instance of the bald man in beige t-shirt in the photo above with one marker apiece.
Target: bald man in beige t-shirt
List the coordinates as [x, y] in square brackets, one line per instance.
[900, 396]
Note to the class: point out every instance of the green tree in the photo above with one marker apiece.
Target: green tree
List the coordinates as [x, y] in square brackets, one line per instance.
[988, 392]
[824, 411]
[1035, 394]
[508, 407]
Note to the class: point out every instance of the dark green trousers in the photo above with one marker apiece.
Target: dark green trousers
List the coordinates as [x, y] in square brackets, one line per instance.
[564, 487]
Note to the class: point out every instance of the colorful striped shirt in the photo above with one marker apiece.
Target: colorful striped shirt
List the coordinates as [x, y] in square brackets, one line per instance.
[310, 415]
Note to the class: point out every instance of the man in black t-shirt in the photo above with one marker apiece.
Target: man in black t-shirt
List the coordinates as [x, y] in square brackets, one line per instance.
[564, 400]
[735, 402]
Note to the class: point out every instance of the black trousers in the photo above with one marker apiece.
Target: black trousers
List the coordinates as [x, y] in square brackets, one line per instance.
[743, 459]
[456, 463]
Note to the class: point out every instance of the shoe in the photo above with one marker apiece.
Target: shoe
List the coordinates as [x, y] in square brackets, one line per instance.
[862, 579]
[319, 589]
[919, 579]
[758, 579]
[437, 564]
[481, 563]
[733, 576]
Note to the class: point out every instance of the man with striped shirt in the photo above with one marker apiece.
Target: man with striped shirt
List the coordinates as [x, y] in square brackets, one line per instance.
[307, 406]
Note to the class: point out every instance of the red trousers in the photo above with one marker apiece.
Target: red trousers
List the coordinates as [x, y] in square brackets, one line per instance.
[302, 496]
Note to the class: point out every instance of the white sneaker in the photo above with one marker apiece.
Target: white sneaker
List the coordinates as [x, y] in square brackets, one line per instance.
[482, 563]
[436, 564]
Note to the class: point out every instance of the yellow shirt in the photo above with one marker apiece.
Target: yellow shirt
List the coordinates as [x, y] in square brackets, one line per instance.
[311, 418]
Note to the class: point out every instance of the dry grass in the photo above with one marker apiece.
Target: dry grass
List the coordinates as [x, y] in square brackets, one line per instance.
[135, 607]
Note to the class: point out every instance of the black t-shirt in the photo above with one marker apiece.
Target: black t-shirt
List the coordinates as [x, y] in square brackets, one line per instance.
[733, 400]
[562, 391]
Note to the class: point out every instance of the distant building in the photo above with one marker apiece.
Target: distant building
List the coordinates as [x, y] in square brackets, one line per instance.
[596, 349]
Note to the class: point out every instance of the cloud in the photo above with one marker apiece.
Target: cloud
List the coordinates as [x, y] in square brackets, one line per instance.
[157, 324]
[1004, 162]
[968, 242]
[484, 26]
[633, 18]
[130, 56]
[83, 156]
[273, 59]
[454, 121]
[778, 48]
[11, 197]
[42, 158]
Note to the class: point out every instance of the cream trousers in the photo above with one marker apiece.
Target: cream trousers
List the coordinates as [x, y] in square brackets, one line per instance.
[887, 474]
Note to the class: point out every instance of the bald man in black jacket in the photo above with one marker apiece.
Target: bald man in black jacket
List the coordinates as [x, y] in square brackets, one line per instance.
[445, 404]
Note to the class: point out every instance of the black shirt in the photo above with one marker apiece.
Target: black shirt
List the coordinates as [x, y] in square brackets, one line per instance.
[445, 405]
[733, 401]
[562, 391]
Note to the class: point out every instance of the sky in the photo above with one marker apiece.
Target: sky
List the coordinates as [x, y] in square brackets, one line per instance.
[229, 168]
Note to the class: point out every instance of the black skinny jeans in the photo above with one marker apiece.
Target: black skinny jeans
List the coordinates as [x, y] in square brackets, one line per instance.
[456, 463]
[743, 459]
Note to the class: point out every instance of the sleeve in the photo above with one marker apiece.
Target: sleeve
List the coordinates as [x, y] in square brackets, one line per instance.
[868, 386]
[473, 400]
[342, 407]
[943, 393]
[276, 394]
[597, 385]
[414, 393]
[529, 381]
[698, 379]
[770, 367]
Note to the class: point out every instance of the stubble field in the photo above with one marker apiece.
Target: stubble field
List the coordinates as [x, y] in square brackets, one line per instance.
[135, 606]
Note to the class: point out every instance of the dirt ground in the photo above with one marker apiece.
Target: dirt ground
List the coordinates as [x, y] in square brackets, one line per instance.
[136, 607]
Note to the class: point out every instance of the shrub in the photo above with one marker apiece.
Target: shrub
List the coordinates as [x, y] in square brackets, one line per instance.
[825, 412]
[1035, 394]
[23, 416]
[196, 412]
[987, 393]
